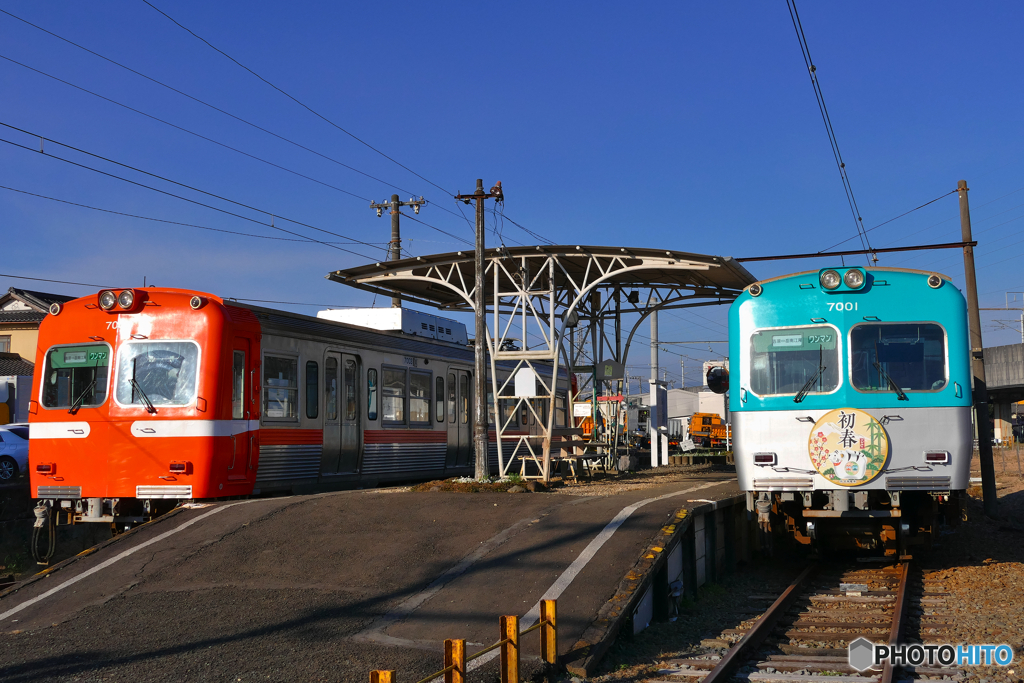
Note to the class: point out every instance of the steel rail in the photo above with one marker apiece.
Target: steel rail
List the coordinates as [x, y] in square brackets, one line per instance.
[761, 630]
[899, 614]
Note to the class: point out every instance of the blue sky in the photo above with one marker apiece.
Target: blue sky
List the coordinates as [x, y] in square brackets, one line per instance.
[682, 125]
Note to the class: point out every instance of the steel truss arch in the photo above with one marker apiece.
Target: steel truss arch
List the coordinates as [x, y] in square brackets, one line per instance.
[537, 293]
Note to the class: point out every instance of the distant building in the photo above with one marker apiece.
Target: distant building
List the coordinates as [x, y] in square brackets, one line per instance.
[21, 311]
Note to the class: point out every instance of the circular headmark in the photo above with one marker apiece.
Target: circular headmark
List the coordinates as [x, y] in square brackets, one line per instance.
[848, 447]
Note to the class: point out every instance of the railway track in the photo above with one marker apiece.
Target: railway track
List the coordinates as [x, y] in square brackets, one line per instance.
[802, 634]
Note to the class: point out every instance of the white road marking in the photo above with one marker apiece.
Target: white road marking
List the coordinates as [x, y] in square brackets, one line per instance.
[116, 558]
[563, 581]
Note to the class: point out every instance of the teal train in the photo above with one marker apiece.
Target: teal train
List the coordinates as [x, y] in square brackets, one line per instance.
[850, 397]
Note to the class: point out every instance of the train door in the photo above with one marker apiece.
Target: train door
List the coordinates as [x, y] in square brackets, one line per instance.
[459, 403]
[241, 409]
[341, 417]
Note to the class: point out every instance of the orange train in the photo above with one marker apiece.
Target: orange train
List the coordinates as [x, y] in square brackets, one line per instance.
[143, 398]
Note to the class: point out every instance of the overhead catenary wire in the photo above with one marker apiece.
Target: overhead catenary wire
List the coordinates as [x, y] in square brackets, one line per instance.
[906, 213]
[180, 184]
[204, 137]
[170, 222]
[811, 70]
[292, 97]
[192, 201]
[216, 108]
[231, 298]
[185, 130]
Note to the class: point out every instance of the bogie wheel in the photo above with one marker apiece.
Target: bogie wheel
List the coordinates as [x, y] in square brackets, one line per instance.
[8, 468]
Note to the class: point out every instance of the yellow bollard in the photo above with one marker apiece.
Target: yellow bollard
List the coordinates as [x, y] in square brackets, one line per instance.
[509, 632]
[455, 654]
[382, 677]
[548, 632]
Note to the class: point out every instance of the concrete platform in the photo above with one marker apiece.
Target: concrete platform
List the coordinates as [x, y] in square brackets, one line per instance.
[328, 587]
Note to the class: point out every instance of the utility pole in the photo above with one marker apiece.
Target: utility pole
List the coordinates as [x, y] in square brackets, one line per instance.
[395, 246]
[480, 332]
[980, 394]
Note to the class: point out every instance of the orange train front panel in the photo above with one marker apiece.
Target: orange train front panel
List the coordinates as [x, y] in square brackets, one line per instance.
[141, 400]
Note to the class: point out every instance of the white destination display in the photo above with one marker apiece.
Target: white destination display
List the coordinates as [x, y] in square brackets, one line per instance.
[787, 339]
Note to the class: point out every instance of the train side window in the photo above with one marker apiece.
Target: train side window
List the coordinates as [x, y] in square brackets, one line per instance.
[490, 407]
[464, 398]
[351, 379]
[560, 413]
[371, 394]
[312, 389]
[524, 414]
[393, 390]
[280, 387]
[419, 397]
[237, 385]
[508, 413]
[331, 388]
[451, 397]
[439, 398]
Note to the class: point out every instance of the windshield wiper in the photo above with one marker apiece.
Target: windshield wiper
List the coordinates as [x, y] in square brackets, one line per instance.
[81, 397]
[142, 394]
[807, 386]
[892, 385]
[150, 408]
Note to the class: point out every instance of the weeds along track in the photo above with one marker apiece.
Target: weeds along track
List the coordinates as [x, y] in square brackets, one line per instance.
[802, 634]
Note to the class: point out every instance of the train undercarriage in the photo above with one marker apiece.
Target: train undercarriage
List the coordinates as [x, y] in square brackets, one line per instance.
[869, 522]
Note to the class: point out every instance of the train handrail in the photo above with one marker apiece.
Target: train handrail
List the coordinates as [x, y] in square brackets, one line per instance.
[455, 658]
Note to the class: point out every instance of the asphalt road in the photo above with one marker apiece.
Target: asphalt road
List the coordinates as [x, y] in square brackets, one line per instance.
[327, 587]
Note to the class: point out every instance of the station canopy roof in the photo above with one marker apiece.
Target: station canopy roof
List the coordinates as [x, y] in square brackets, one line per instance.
[422, 279]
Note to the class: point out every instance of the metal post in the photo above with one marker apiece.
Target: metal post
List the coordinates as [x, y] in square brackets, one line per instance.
[549, 632]
[509, 632]
[483, 466]
[652, 430]
[396, 243]
[981, 418]
[394, 207]
[455, 656]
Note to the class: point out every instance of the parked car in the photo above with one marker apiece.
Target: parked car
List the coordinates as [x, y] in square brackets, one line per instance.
[13, 451]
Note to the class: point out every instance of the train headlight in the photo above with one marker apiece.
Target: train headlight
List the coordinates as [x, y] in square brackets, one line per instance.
[854, 278]
[126, 299]
[934, 281]
[107, 300]
[196, 302]
[830, 279]
[755, 290]
[56, 308]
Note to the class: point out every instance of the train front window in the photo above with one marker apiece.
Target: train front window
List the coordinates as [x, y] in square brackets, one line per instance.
[911, 355]
[162, 373]
[794, 360]
[76, 376]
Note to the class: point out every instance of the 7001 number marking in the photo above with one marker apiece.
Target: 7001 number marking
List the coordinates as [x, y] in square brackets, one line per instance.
[842, 305]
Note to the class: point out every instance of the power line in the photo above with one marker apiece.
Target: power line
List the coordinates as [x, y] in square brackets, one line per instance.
[943, 196]
[292, 98]
[811, 69]
[413, 218]
[179, 184]
[227, 298]
[184, 130]
[193, 201]
[163, 220]
[207, 104]
[62, 282]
